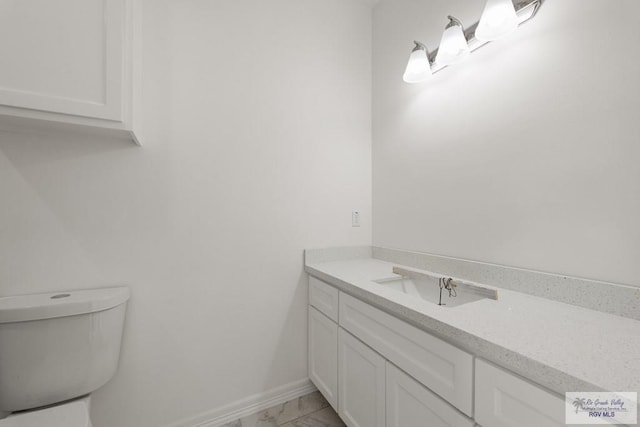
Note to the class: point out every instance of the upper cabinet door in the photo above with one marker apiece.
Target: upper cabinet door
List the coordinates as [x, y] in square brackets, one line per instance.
[64, 56]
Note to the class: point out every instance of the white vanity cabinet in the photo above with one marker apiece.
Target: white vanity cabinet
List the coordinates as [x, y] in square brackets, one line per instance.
[440, 366]
[323, 355]
[389, 373]
[323, 339]
[410, 404]
[68, 62]
[505, 400]
[393, 374]
[361, 379]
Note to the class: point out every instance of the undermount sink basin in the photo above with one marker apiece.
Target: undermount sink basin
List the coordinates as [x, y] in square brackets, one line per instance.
[427, 289]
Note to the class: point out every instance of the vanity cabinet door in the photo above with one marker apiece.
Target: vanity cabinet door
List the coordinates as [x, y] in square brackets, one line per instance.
[323, 355]
[410, 404]
[505, 400]
[361, 390]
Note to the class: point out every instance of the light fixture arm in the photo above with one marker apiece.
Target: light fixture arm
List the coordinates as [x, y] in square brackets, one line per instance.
[453, 21]
[420, 46]
[519, 5]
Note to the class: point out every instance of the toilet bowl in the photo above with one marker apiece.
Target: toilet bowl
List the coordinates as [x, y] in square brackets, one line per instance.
[70, 414]
[56, 349]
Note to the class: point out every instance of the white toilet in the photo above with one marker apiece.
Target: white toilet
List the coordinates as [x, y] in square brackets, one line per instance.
[55, 349]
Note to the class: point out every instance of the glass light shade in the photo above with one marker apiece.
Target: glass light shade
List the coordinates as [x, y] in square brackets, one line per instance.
[418, 68]
[498, 18]
[453, 46]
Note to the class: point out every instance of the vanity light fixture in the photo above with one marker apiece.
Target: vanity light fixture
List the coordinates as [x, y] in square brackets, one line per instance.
[453, 46]
[418, 68]
[497, 20]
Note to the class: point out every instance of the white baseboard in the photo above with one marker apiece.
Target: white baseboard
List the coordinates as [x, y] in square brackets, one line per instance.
[249, 405]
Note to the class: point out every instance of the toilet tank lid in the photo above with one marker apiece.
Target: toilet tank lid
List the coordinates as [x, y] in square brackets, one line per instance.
[23, 308]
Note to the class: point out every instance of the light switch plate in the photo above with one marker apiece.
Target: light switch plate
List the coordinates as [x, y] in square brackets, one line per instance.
[355, 218]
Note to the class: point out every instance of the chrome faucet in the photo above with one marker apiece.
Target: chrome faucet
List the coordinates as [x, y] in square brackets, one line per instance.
[446, 283]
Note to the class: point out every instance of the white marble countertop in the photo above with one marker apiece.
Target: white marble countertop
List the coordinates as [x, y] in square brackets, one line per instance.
[560, 346]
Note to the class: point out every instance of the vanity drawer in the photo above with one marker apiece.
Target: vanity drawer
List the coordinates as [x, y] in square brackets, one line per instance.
[324, 298]
[505, 400]
[441, 367]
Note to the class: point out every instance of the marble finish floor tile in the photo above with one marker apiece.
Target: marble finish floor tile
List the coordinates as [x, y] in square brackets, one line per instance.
[284, 413]
[323, 418]
[312, 402]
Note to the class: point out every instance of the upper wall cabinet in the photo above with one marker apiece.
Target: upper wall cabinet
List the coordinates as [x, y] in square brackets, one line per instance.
[68, 62]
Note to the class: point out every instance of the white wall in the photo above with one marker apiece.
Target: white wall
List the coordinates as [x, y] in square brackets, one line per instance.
[261, 117]
[526, 154]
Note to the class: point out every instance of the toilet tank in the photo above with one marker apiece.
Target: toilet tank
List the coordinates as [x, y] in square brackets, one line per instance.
[58, 346]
